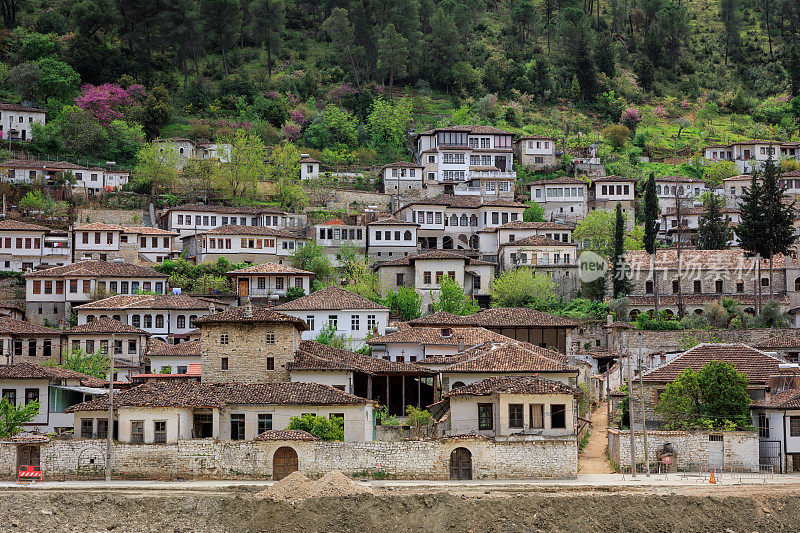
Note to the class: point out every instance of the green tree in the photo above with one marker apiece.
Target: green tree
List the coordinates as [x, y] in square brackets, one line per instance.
[442, 44]
[777, 218]
[79, 132]
[534, 212]
[221, 20]
[310, 257]
[95, 364]
[340, 31]
[673, 25]
[606, 55]
[57, 79]
[329, 337]
[268, 25]
[157, 110]
[714, 230]
[523, 23]
[596, 233]
[418, 418]
[157, 164]
[751, 230]
[616, 135]
[406, 303]
[392, 54]
[522, 287]
[730, 14]
[651, 230]
[237, 178]
[387, 125]
[322, 427]
[451, 299]
[13, 416]
[36, 201]
[619, 277]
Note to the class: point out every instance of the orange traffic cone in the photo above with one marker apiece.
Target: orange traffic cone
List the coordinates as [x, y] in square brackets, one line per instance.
[712, 479]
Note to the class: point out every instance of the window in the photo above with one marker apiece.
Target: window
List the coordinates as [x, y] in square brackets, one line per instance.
[237, 427]
[485, 417]
[47, 348]
[270, 363]
[399, 279]
[160, 431]
[279, 283]
[223, 363]
[87, 428]
[270, 338]
[60, 286]
[515, 415]
[136, 321]
[11, 394]
[718, 285]
[763, 425]
[264, 422]
[372, 322]
[739, 286]
[765, 282]
[131, 346]
[48, 287]
[537, 416]
[426, 276]
[87, 286]
[31, 395]
[310, 322]
[148, 321]
[558, 416]
[89, 346]
[37, 287]
[675, 286]
[354, 322]
[159, 321]
[102, 428]
[333, 322]
[223, 339]
[137, 431]
[181, 320]
[697, 286]
[97, 238]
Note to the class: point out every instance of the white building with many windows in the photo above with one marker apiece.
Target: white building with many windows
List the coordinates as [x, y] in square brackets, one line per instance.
[189, 219]
[341, 311]
[402, 177]
[751, 155]
[255, 244]
[536, 151]
[391, 238]
[107, 242]
[467, 160]
[564, 198]
[17, 120]
[26, 246]
[269, 281]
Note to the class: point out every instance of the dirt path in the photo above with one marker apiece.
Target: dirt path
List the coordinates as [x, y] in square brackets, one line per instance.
[592, 459]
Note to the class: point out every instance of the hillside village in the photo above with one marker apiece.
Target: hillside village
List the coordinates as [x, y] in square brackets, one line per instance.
[452, 308]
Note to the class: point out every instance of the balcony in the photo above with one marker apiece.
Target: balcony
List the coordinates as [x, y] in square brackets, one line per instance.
[496, 174]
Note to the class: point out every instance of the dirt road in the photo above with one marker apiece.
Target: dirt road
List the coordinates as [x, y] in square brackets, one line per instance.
[592, 459]
[480, 509]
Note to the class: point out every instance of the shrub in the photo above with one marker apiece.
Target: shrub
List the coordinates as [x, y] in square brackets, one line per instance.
[323, 428]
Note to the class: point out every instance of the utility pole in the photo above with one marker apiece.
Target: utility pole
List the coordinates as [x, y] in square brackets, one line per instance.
[630, 412]
[110, 428]
[641, 401]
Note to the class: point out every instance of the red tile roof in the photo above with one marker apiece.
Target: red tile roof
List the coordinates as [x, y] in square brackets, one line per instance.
[332, 298]
[254, 230]
[241, 210]
[496, 317]
[315, 356]
[286, 434]
[392, 221]
[519, 224]
[12, 326]
[757, 365]
[510, 356]
[538, 240]
[261, 315]
[147, 301]
[105, 325]
[270, 268]
[208, 395]
[34, 371]
[157, 347]
[97, 269]
[789, 399]
[563, 180]
[15, 225]
[466, 336]
[513, 385]
[781, 339]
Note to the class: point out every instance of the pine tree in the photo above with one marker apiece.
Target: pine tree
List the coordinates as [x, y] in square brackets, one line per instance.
[778, 219]
[268, 25]
[751, 229]
[651, 230]
[619, 279]
[392, 54]
[714, 230]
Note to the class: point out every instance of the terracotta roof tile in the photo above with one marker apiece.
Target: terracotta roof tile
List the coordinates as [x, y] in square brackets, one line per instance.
[519, 224]
[254, 230]
[315, 356]
[98, 226]
[261, 315]
[513, 385]
[158, 347]
[286, 434]
[465, 202]
[15, 225]
[242, 210]
[105, 325]
[392, 221]
[12, 326]
[563, 180]
[705, 259]
[757, 365]
[9, 106]
[34, 371]
[477, 129]
[613, 178]
[208, 395]
[99, 269]
[538, 240]
[147, 301]
[332, 297]
[270, 268]
[510, 356]
[789, 399]
[781, 339]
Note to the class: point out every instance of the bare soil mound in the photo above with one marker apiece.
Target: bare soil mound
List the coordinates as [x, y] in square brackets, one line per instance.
[296, 487]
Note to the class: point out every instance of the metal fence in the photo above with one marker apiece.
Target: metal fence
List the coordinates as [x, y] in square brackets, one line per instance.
[733, 473]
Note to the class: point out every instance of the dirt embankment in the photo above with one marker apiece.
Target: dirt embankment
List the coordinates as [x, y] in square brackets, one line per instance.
[239, 510]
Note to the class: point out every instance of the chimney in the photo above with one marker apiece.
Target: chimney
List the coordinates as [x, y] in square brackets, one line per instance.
[609, 319]
[460, 345]
[211, 308]
[248, 308]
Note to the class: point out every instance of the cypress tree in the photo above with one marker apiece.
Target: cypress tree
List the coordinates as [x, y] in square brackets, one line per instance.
[619, 279]
[751, 230]
[714, 230]
[651, 230]
[778, 219]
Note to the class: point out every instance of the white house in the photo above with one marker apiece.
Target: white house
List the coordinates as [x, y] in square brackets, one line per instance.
[777, 419]
[270, 281]
[344, 312]
[17, 120]
[243, 243]
[52, 293]
[165, 317]
[189, 219]
[750, 155]
[332, 234]
[173, 358]
[689, 191]
[468, 160]
[402, 177]
[608, 191]
[564, 198]
[25, 246]
[536, 151]
[391, 238]
[410, 345]
[107, 242]
[491, 239]
[309, 167]
[188, 149]
[56, 389]
[690, 223]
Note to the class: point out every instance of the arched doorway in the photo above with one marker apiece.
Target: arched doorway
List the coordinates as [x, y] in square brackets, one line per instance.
[460, 464]
[797, 284]
[284, 462]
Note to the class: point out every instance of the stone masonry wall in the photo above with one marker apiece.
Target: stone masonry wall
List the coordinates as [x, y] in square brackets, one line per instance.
[247, 352]
[740, 448]
[674, 341]
[120, 217]
[428, 459]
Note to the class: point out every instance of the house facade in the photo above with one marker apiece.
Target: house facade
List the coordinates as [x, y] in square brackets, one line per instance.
[190, 219]
[108, 242]
[332, 234]
[490, 240]
[402, 177]
[391, 238]
[269, 281]
[563, 199]
[24, 246]
[17, 120]
[536, 151]
[254, 244]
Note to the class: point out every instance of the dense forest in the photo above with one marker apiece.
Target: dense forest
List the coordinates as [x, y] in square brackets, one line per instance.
[346, 79]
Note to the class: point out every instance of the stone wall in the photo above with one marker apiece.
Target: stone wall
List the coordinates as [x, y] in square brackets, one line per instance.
[740, 448]
[120, 217]
[511, 458]
[674, 341]
[343, 199]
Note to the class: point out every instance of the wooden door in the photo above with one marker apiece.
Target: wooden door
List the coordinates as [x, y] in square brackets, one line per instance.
[27, 455]
[244, 287]
[284, 462]
[460, 464]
